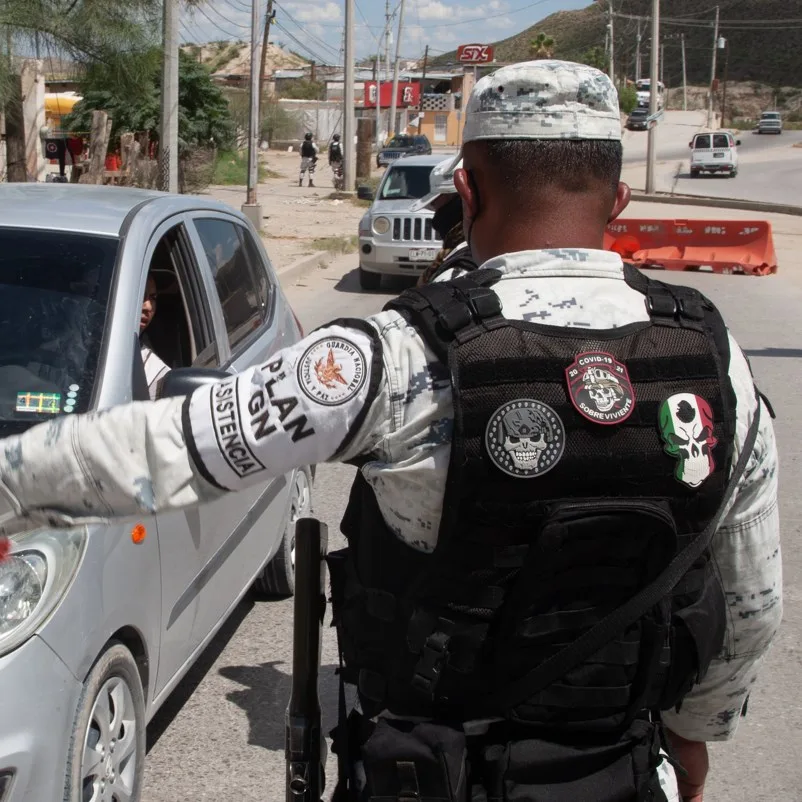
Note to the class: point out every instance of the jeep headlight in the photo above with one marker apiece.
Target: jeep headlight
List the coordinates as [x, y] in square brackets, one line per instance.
[33, 579]
[381, 225]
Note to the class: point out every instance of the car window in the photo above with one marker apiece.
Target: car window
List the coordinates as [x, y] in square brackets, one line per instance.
[771, 115]
[400, 142]
[54, 293]
[256, 262]
[721, 141]
[405, 183]
[236, 285]
[421, 140]
[702, 141]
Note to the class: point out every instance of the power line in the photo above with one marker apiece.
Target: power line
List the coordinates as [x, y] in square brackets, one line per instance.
[300, 44]
[225, 19]
[306, 32]
[237, 36]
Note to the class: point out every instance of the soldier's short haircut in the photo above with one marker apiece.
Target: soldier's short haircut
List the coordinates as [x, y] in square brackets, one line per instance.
[523, 165]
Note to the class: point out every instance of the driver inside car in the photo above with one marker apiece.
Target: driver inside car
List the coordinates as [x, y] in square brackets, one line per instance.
[155, 368]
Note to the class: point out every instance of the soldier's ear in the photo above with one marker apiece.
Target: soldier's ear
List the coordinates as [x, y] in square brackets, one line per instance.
[467, 191]
[622, 197]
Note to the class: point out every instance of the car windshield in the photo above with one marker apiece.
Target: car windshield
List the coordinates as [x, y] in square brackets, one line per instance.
[771, 115]
[400, 142]
[405, 182]
[54, 292]
[638, 113]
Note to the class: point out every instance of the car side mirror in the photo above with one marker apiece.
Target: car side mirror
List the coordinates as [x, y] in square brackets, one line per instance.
[738, 142]
[364, 193]
[184, 381]
[690, 145]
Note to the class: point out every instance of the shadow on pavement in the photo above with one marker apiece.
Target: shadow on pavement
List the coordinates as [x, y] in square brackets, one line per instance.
[390, 284]
[265, 695]
[180, 696]
[792, 353]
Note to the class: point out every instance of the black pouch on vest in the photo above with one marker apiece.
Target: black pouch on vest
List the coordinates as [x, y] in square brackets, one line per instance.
[405, 761]
[534, 770]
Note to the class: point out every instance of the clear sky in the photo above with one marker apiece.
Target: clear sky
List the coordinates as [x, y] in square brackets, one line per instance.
[314, 28]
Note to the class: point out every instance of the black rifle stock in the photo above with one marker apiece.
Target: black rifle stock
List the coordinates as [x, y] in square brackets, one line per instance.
[303, 744]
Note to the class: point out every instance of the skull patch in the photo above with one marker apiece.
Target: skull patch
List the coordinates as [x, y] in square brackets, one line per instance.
[525, 438]
[599, 387]
[686, 425]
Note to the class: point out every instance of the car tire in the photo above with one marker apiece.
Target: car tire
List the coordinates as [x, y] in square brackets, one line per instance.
[278, 576]
[368, 280]
[111, 708]
[694, 174]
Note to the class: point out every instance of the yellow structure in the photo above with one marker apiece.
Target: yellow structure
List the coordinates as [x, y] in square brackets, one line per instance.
[441, 114]
[57, 106]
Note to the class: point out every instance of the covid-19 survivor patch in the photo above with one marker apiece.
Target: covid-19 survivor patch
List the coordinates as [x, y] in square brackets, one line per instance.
[599, 388]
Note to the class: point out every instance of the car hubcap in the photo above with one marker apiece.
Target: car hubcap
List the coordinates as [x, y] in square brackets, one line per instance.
[299, 507]
[109, 763]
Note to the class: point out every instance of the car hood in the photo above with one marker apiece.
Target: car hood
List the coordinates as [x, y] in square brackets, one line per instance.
[401, 149]
[388, 206]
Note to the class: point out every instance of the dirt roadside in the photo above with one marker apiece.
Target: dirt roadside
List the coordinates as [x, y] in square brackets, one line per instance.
[298, 221]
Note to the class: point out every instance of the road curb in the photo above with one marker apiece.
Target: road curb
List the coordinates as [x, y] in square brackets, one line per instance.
[720, 203]
[301, 266]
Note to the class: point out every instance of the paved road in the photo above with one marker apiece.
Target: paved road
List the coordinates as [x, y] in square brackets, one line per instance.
[770, 167]
[221, 734]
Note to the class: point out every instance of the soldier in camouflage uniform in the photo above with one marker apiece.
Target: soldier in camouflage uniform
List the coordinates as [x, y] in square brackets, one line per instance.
[551, 579]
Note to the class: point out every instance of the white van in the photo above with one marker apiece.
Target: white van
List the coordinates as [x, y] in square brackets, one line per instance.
[714, 152]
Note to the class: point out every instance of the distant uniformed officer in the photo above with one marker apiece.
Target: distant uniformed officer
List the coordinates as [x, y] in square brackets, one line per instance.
[566, 497]
[309, 152]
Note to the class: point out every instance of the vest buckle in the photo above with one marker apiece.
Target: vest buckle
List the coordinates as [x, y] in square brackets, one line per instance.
[430, 666]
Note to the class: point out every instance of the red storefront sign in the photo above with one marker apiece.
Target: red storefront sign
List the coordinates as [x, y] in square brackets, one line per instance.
[408, 94]
[475, 54]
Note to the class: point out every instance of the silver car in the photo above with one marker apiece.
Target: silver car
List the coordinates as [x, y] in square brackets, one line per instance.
[99, 623]
[393, 241]
[770, 122]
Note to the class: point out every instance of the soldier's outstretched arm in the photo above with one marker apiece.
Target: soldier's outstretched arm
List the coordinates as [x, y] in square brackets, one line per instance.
[318, 400]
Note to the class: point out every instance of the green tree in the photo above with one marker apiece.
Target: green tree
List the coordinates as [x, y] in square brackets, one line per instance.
[595, 57]
[204, 117]
[542, 46]
[628, 99]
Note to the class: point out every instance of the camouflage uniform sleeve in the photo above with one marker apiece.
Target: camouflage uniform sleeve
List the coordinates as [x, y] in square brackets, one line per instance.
[307, 404]
[746, 550]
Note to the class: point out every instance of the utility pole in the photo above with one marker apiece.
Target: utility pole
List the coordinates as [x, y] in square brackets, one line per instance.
[168, 137]
[387, 34]
[422, 83]
[637, 55]
[270, 15]
[251, 207]
[394, 98]
[684, 77]
[662, 63]
[612, 43]
[654, 54]
[726, 75]
[349, 121]
[713, 72]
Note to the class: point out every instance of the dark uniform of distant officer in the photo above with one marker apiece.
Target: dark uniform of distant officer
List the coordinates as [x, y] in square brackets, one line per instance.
[309, 152]
[566, 498]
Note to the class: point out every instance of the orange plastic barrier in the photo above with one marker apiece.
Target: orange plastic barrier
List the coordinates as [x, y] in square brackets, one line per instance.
[715, 246]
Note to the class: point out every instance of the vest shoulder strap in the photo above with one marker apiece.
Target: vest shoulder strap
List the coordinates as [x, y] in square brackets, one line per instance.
[448, 311]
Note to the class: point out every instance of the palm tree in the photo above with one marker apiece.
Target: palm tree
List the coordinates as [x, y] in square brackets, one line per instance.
[542, 46]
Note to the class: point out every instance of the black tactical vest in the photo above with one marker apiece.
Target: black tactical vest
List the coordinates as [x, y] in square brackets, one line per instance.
[308, 150]
[582, 463]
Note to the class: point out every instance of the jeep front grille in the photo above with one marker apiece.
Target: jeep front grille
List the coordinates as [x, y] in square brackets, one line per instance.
[414, 229]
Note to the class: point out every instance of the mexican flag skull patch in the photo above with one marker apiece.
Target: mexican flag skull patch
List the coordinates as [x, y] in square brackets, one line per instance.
[686, 425]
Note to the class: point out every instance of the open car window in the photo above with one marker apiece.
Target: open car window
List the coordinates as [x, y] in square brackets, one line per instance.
[54, 295]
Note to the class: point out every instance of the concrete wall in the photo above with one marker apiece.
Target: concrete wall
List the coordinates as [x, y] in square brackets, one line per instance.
[33, 113]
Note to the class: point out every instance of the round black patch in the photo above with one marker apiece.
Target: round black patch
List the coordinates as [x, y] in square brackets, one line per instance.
[599, 388]
[525, 438]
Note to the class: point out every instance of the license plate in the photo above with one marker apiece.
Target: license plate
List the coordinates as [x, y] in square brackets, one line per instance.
[718, 155]
[422, 254]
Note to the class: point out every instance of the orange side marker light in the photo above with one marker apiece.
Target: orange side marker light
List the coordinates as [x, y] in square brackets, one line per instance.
[138, 534]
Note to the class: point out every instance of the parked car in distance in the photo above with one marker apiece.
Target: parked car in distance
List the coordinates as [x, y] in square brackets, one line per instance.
[393, 241]
[638, 120]
[770, 122]
[714, 152]
[403, 145]
[98, 623]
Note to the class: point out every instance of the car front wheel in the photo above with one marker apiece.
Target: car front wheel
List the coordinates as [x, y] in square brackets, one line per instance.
[278, 576]
[106, 758]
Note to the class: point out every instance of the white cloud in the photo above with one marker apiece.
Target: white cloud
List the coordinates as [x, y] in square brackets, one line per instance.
[496, 6]
[498, 23]
[434, 9]
[325, 12]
